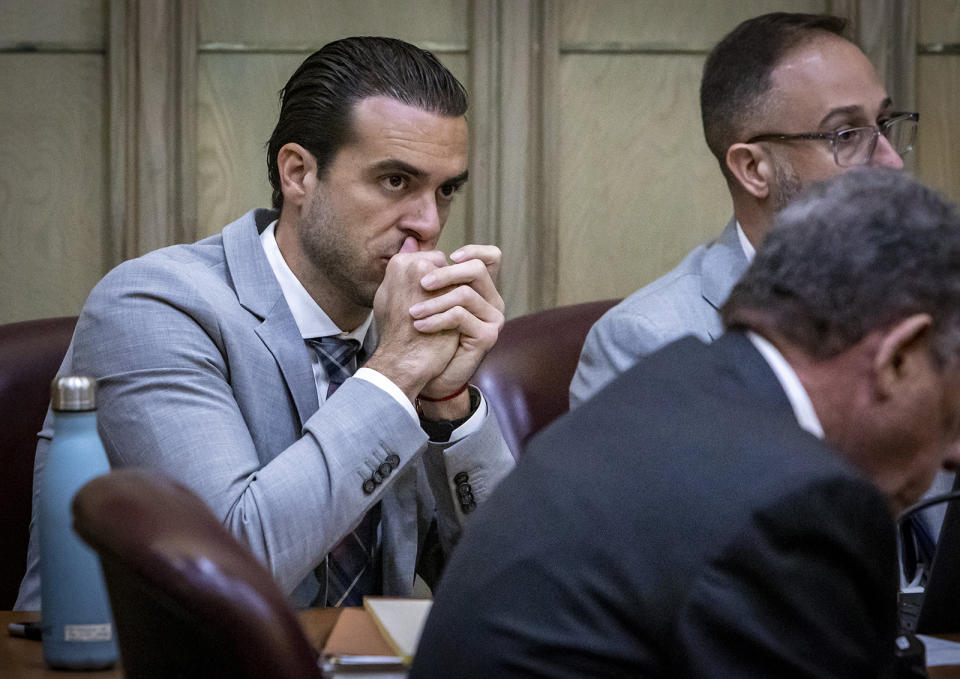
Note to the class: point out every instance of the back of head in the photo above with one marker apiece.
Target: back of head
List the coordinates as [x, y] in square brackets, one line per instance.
[316, 103]
[855, 254]
[736, 75]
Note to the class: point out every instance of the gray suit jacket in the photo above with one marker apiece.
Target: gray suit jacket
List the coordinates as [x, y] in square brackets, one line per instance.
[685, 301]
[202, 374]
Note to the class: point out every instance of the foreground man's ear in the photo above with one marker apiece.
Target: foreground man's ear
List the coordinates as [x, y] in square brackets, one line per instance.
[903, 353]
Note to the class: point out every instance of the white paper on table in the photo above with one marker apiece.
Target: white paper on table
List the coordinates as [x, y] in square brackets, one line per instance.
[940, 651]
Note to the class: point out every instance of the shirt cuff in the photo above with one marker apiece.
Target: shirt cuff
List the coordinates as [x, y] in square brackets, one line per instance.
[473, 423]
[380, 380]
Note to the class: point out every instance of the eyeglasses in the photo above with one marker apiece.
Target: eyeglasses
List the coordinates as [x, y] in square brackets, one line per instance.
[855, 146]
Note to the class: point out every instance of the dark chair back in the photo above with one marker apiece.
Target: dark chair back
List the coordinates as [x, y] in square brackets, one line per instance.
[526, 376]
[188, 599]
[30, 354]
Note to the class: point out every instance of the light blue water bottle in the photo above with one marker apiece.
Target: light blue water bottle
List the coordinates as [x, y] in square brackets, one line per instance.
[78, 631]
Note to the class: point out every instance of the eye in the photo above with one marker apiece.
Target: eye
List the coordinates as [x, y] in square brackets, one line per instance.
[395, 182]
[851, 136]
[447, 191]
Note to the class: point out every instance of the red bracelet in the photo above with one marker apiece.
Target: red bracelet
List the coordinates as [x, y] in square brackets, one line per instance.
[445, 398]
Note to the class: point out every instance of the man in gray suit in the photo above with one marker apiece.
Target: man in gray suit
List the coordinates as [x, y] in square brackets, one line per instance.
[786, 100]
[229, 363]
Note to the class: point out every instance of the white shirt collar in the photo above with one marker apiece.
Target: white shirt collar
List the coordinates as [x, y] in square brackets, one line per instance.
[310, 318]
[745, 243]
[797, 395]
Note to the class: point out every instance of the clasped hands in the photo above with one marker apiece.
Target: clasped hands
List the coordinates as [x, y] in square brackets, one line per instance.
[437, 320]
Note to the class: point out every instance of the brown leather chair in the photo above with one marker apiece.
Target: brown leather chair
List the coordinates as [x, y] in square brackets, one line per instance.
[526, 376]
[30, 354]
[188, 599]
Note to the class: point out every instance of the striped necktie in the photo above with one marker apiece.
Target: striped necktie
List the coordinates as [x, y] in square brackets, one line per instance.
[337, 358]
[350, 570]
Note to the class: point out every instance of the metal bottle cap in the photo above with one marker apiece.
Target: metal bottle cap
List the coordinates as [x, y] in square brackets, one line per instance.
[73, 393]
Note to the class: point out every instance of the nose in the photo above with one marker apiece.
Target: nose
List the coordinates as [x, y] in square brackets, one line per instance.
[884, 155]
[423, 220]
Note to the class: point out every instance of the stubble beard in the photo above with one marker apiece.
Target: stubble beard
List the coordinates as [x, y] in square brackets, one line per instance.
[788, 185]
[328, 246]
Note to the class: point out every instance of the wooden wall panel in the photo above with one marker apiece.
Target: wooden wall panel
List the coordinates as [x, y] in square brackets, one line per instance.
[237, 110]
[307, 22]
[52, 182]
[938, 141]
[638, 186]
[75, 24]
[939, 21]
[664, 24]
[938, 99]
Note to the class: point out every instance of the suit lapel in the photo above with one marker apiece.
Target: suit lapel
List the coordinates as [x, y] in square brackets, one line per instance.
[293, 358]
[259, 292]
[742, 361]
[723, 265]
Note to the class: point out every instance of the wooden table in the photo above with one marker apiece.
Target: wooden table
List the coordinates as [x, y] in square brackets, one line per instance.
[23, 658]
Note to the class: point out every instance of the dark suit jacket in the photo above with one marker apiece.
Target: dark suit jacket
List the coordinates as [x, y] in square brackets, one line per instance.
[680, 524]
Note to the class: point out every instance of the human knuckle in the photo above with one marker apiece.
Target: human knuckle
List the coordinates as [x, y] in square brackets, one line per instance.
[475, 268]
[471, 295]
[422, 266]
[488, 334]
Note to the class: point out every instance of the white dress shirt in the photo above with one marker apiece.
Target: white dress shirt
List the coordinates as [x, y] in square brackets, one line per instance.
[745, 243]
[796, 394]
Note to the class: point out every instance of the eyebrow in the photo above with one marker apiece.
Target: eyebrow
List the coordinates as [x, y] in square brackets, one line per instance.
[394, 165]
[852, 110]
[391, 164]
[459, 180]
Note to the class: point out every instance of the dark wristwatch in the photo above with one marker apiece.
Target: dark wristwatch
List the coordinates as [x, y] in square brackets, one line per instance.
[439, 431]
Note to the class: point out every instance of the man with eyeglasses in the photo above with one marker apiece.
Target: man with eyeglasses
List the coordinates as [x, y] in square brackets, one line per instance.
[786, 100]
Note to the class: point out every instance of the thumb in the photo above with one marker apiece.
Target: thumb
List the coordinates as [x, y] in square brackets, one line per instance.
[410, 244]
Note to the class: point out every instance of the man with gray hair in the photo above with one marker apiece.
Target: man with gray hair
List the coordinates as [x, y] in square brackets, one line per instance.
[736, 517]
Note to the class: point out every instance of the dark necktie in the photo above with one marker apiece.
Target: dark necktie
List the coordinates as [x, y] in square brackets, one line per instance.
[349, 571]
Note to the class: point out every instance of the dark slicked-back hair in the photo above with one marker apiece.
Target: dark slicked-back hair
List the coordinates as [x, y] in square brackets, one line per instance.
[857, 253]
[736, 75]
[317, 101]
